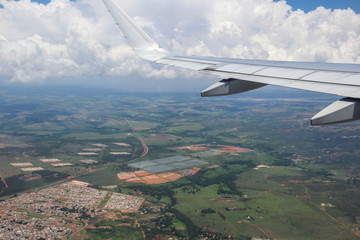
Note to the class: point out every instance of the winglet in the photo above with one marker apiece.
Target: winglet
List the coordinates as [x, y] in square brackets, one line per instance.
[141, 43]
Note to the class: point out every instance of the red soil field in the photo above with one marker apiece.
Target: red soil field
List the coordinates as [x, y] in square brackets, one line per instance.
[193, 148]
[195, 170]
[142, 173]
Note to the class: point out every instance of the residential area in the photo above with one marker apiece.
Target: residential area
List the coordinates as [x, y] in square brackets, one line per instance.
[55, 212]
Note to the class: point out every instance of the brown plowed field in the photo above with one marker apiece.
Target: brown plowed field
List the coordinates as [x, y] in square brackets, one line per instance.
[170, 176]
[126, 175]
[154, 179]
[151, 178]
[134, 180]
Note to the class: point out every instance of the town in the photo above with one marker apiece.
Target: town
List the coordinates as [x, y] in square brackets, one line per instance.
[55, 212]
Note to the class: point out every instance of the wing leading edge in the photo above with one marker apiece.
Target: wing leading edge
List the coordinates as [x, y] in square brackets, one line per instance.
[241, 75]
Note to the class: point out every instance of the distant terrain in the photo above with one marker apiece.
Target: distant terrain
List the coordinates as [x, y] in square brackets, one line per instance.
[240, 167]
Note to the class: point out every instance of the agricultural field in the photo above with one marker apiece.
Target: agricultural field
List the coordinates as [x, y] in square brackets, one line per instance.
[240, 167]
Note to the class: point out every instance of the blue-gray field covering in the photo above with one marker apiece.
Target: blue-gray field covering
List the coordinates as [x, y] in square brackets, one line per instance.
[167, 164]
[171, 159]
[143, 164]
[179, 165]
[158, 168]
[194, 163]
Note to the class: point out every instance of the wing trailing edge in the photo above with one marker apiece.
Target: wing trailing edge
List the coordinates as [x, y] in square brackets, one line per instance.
[241, 75]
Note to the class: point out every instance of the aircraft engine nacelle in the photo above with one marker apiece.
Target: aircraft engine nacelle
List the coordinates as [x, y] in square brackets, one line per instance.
[344, 110]
[229, 87]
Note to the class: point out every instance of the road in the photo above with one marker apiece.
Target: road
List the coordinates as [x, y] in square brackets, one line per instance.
[6, 186]
[143, 144]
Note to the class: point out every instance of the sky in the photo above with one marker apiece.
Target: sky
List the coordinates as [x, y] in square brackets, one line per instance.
[309, 5]
[306, 5]
[67, 41]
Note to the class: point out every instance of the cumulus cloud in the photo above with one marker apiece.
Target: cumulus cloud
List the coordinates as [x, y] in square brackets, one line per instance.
[66, 39]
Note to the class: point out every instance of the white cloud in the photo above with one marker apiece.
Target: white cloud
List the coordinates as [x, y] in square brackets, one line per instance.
[78, 39]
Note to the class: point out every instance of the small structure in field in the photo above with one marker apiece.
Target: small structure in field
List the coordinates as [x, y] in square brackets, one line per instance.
[33, 169]
[123, 144]
[24, 164]
[61, 164]
[50, 160]
[88, 161]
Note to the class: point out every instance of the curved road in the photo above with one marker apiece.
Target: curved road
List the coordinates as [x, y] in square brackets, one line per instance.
[143, 144]
[6, 186]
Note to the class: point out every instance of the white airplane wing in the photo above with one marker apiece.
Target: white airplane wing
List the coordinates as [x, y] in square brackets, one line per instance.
[241, 75]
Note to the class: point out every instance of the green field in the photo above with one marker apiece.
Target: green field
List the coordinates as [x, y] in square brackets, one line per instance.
[276, 212]
[115, 233]
[101, 177]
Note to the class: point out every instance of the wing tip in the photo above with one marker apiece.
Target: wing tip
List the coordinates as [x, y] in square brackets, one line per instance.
[143, 45]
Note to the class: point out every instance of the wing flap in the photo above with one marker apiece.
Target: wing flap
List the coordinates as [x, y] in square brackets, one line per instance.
[232, 67]
[284, 73]
[335, 77]
[344, 78]
[184, 64]
[331, 82]
[323, 87]
[248, 69]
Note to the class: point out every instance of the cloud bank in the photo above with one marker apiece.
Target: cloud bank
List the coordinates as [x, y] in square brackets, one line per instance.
[79, 39]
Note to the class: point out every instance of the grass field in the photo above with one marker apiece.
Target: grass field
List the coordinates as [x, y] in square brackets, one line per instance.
[192, 204]
[286, 217]
[143, 125]
[181, 127]
[115, 233]
[101, 177]
[180, 226]
[254, 180]
[266, 210]
[94, 136]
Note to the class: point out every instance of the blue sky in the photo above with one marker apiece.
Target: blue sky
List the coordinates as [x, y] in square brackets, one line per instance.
[306, 5]
[309, 5]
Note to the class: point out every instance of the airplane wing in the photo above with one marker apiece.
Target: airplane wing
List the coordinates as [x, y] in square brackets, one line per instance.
[241, 75]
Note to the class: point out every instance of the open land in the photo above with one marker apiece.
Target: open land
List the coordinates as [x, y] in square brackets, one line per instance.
[174, 166]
